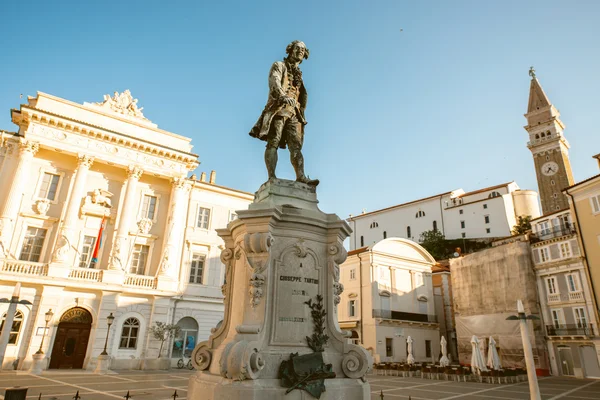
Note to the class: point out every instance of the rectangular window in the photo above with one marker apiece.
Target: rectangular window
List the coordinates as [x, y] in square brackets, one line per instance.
[232, 216]
[552, 287]
[139, 259]
[487, 219]
[463, 235]
[418, 279]
[203, 218]
[462, 224]
[487, 230]
[352, 274]
[389, 347]
[544, 228]
[86, 252]
[595, 200]
[197, 268]
[32, 244]
[544, 254]
[149, 206]
[352, 308]
[485, 206]
[460, 211]
[580, 318]
[556, 318]
[428, 348]
[565, 250]
[573, 283]
[49, 186]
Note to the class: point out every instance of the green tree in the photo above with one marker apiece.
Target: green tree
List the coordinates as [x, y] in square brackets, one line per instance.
[436, 244]
[523, 225]
[161, 331]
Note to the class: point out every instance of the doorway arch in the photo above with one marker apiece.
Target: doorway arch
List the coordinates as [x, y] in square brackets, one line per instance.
[71, 341]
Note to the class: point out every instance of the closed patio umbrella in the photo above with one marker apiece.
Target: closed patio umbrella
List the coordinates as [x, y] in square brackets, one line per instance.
[444, 361]
[410, 359]
[477, 362]
[493, 360]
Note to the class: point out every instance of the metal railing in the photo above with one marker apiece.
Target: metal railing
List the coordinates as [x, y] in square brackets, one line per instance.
[403, 316]
[554, 232]
[570, 330]
[18, 267]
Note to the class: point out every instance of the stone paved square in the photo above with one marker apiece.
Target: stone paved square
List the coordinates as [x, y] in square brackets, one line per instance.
[160, 385]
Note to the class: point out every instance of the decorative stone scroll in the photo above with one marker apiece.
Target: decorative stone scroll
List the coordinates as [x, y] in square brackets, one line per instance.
[258, 246]
[241, 360]
[337, 255]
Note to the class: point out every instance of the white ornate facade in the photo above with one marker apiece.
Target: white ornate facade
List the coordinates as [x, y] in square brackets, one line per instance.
[68, 168]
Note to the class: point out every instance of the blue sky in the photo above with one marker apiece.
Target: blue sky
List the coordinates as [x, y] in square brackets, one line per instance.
[406, 99]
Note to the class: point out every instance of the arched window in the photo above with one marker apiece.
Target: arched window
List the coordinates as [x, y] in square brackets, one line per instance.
[374, 224]
[494, 194]
[185, 341]
[16, 327]
[408, 235]
[537, 136]
[435, 225]
[362, 241]
[129, 334]
[384, 234]
[543, 134]
[420, 214]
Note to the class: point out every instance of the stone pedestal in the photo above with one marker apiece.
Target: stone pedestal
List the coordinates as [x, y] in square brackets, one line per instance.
[39, 364]
[279, 254]
[103, 364]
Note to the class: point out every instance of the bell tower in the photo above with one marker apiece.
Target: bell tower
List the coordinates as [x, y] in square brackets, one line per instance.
[549, 148]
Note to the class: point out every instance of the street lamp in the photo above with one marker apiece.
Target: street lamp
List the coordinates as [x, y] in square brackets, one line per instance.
[109, 321]
[534, 389]
[48, 317]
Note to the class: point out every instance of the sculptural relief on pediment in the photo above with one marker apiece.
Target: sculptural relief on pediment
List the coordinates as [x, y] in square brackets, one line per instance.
[122, 103]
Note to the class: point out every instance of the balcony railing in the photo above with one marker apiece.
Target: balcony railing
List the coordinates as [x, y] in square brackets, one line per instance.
[551, 233]
[570, 330]
[86, 274]
[403, 316]
[565, 297]
[141, 281]
[18, 267]
[576, 296]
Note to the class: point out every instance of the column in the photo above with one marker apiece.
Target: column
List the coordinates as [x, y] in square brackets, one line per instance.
[170, 261]
[64, 246]
[126, 213]
[12, 200]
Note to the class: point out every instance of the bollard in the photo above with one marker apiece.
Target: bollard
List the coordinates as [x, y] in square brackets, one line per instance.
[175, 395]
[77, 396]
[128, 396]
[381, 395]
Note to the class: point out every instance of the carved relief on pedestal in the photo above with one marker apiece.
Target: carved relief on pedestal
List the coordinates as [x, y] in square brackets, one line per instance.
[165, 263]
[337, 255]
[115, 255]
[62, 248]
[258, 246]
[41, 206]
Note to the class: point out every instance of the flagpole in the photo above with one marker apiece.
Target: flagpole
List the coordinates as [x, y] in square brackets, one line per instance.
[98, 243]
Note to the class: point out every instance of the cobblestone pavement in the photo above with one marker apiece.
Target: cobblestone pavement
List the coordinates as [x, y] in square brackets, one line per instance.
[154, 385]
[395, 388]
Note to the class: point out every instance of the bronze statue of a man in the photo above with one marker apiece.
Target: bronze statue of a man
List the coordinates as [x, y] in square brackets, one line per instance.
[282, 121]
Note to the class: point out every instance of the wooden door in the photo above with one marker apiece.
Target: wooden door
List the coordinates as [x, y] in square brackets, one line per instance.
[71, 342]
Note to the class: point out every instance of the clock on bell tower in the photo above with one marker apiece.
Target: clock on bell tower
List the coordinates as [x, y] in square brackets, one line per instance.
[549, 148]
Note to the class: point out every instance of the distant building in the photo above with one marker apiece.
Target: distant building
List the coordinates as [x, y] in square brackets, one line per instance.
[485, 213]
[98, 217]
[388, 296]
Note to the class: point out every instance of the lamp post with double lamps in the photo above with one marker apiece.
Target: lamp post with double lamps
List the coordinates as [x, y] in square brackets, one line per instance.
[534, 389]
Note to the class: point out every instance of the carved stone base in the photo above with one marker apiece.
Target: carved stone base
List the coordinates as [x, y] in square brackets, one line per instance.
[39, 364]
[210, 387]
[280, 254]
[103, 365]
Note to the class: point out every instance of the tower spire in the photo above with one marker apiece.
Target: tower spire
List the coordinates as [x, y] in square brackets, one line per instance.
[537, 96]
